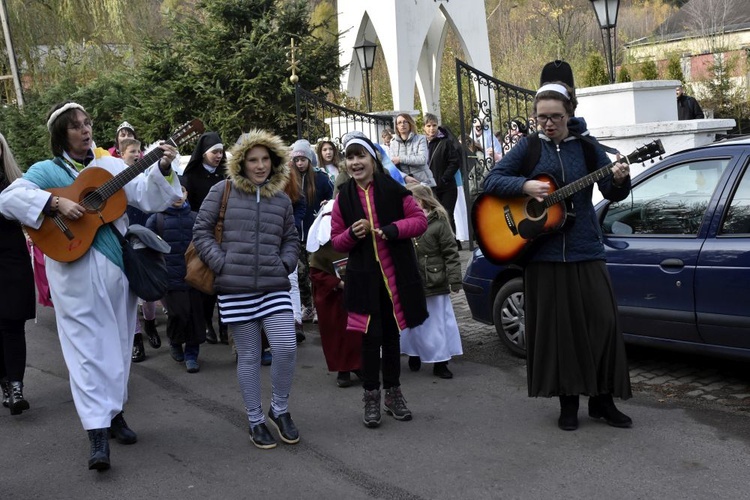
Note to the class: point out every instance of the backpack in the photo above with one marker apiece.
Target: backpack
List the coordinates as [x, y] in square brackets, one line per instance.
[534, 152]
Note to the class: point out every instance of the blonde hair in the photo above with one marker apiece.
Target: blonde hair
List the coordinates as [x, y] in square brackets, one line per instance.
[10, 171]
[427, 200]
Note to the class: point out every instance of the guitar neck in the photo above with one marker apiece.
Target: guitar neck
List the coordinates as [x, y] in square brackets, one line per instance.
[118, 181]
[575, 186]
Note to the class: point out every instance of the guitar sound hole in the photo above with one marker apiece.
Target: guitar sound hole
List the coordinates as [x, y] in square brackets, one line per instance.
[93, 201]
[535, 209]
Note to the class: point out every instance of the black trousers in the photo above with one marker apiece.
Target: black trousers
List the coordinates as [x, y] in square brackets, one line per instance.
[185, 316]
[382, 332]
[12, 349]
[448, 196]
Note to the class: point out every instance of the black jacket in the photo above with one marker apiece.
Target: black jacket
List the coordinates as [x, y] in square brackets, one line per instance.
[688, 108]
[443, 159]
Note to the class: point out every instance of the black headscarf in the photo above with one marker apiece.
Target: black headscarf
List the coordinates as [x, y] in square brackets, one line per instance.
[205, 142]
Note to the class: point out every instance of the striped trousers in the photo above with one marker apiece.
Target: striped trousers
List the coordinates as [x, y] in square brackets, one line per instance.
[279, 328]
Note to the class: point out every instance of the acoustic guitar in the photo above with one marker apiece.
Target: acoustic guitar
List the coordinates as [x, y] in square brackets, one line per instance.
[506, 228]
[101, 194]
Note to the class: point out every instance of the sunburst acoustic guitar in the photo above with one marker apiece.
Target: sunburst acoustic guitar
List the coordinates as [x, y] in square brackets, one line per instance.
[101, 194]
[506, 228]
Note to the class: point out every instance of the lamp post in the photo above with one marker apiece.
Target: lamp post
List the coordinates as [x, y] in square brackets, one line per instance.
[366, 56]
[606, 14]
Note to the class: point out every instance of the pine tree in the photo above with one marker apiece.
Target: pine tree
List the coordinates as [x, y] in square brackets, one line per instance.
[596, 71]
[674, 69]
[649, 71]
[227, 64]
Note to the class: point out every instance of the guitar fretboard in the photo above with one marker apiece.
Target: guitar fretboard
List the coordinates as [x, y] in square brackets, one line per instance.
[117, 182]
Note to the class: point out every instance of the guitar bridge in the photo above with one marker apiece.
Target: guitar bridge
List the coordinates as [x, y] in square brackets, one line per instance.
[511, 223]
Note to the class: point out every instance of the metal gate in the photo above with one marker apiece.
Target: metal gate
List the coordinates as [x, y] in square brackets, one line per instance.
[493, 115]
[318, 118]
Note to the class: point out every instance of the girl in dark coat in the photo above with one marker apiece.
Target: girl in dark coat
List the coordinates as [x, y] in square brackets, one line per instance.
[207, 166]
[317, 188]
[185, 319]
[16, 295]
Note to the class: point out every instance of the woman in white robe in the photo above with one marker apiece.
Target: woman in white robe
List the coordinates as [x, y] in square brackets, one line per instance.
[94, 307]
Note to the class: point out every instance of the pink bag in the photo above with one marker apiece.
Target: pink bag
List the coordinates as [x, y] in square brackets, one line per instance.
[40, 274]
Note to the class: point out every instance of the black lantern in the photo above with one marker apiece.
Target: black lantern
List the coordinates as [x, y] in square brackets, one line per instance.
[366, 56]
[606, 14]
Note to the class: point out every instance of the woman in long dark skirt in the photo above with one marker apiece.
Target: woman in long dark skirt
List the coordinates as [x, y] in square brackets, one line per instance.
[574, 345]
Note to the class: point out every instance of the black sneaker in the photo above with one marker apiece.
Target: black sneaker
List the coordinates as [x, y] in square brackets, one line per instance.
[372, 408]
[285, 425]
[344, 379]
[395, 404]
[262, 437]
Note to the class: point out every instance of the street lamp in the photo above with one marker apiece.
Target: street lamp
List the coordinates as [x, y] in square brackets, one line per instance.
[366, 56]
[606, 14]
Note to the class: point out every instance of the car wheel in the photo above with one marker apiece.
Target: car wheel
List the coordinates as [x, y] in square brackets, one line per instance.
[508, 316]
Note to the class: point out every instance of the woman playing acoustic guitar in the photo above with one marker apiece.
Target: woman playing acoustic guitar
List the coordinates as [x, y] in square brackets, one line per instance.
[574, 345]
[94, 307]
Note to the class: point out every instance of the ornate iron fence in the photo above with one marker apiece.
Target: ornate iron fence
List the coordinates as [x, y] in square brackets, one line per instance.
[493, 115]
[318, 118]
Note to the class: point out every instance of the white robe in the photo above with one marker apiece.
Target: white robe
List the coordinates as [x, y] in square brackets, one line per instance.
[94, 307]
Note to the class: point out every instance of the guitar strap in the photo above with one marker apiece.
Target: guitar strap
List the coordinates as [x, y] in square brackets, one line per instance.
[60, 163]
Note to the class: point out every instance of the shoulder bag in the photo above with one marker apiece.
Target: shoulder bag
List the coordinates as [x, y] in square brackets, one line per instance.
[199, 275]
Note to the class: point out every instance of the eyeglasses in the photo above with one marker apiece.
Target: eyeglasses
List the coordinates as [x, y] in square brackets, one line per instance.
[81, 125]
[556, 118]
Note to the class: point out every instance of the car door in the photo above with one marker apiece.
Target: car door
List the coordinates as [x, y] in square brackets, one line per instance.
[653, 239]
[722, 291]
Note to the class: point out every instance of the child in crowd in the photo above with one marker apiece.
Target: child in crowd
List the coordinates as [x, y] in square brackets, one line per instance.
[342, 349]
[437, 339]
[374, 219]
[186, 324]
[328, 158]
[130, 152]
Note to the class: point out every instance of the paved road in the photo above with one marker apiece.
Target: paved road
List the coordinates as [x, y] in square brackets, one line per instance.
[476, 436]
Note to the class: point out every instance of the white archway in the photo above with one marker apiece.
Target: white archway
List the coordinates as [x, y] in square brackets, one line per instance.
[412, 37]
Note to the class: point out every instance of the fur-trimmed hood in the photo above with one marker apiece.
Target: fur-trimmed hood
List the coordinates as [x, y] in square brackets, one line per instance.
[279, 162]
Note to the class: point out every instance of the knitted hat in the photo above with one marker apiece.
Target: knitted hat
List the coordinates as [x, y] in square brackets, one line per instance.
[303, 148]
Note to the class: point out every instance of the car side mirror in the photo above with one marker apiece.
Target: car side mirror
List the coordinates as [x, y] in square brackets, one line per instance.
[621, 228]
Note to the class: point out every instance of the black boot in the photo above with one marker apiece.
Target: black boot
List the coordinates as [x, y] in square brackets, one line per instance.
[223, 334]
[415, 363]
[119, 430]
[441, 370]
[99, 459]
[16, 403]
[603, 406]
[568, 420]
[153, 335]
[210, 333]
[139, 353]
[6, 391]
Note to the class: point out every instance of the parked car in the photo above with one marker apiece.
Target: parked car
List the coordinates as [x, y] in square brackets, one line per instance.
[678, 252]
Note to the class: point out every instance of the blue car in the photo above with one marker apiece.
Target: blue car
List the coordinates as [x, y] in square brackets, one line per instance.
[678, 252]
